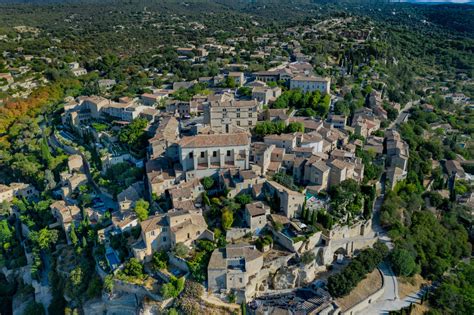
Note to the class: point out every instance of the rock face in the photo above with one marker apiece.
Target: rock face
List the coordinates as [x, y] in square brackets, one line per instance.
[122, 304]
[307, 273]
[285, 278]
[295, 276]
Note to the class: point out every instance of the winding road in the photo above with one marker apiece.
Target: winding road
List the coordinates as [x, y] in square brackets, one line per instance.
[390, 300]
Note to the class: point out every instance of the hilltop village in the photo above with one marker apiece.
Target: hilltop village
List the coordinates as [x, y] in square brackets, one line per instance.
[271, 182]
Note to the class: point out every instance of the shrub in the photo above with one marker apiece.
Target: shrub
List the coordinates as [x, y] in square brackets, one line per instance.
[308, 257]
[207, 182]
[160, 260]
[181, 250]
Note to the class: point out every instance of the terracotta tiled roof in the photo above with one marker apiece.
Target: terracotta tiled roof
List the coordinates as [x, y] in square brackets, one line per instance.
[217, 140]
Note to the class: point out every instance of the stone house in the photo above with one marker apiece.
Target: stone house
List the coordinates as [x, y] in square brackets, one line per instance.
[206, 155]
[291, 202]
[7, 193]
[66, 215]
[239, 78]
[164, 231]
[285, 141]
[316, 172]
[255, 215]
[165, 139]
[277, 114]
[75, 163]
[265, 94]
[260, 154]
[239, 181]
[70, 182]
[311, 83]
[127, 198]
[230, 116]
[337, 121]
[187, 191]
[232, 267]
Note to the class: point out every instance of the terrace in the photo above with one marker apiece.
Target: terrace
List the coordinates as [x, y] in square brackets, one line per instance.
[293, 234]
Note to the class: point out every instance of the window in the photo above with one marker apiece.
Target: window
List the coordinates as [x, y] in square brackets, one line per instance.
[238, 115]
[152, 233]
[189, 236]
[164, 238]
[191, 155]
[198, 232]
[238, 109]
[238, 122]
[228, 152]
[250, 123]
[240, 279]
[250, 115]
[202, 154]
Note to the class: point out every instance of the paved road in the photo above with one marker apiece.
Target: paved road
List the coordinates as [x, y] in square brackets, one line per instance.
[400, 116]
[384, 306]
[390, 299]
[376, 227]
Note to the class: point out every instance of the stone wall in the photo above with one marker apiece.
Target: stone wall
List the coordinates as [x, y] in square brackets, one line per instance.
[359, 307]
[236, 233]
[310, 243]
[180, 263]
[286, 242]
[130, 288]
[360, 228]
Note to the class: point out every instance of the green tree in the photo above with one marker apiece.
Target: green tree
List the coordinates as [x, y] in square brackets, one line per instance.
[341, 108]
[141, 209]
[181, 250]
[108, 283]
[173, 311]
[94, 288]
[160, 260]
[133, 268]
[244, 199]
[455, 293]
[403, 263]
[44, 238]
[34, 308]
[6, 233]
[230, 82]
[295, 127]
[227, 219]
[207, 182]
[73, 236]
[314, 217]
[173, 288]
[134, 133]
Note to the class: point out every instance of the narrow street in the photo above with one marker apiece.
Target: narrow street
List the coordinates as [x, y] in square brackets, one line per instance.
[399, 119]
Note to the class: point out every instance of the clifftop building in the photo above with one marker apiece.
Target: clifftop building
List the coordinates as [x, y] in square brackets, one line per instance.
[164, 231]
[233, 267]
